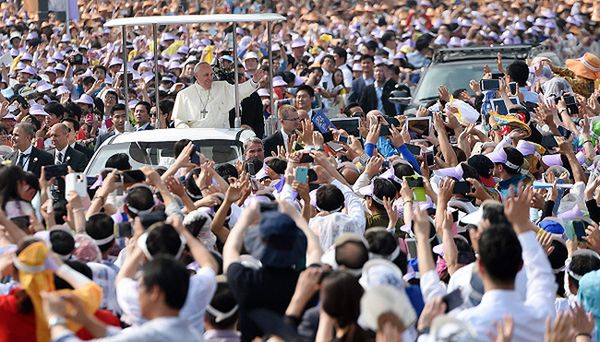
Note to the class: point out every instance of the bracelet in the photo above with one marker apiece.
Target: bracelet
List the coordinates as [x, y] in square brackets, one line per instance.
[584, 334]
[102, 197]
[56, 320]
[408, 202]
[563, 110]
[587, 141]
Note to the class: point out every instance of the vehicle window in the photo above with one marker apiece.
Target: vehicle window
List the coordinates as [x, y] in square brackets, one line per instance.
[452, 75]
[163, 154]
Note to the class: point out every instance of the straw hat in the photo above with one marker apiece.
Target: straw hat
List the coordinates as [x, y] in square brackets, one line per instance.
[587, 66]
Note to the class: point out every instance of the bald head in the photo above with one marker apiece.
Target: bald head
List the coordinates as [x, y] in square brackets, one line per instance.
[203, 74]
[58, 134]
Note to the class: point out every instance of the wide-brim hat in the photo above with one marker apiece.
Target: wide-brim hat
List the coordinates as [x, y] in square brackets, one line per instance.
[277, 241]
[587, 66]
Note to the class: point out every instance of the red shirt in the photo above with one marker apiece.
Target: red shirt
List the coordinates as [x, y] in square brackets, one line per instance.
[15, 326]
[104, 316]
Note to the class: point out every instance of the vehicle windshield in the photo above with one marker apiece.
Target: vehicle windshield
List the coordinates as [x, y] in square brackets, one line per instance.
[162, 153]
[452, 75]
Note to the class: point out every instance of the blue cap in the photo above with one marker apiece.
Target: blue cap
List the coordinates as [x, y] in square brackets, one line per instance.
[276, 241]
[551, 226]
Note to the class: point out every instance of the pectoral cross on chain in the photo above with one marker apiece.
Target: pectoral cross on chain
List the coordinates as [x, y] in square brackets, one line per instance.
[203, 112]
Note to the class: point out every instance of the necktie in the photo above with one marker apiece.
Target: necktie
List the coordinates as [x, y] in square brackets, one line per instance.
[59, 158]
[22, 158]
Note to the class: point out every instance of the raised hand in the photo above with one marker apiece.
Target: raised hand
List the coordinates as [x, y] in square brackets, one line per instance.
[392, 213]
[517, 208]
[373, 135]
[561, 329]
[443, 93]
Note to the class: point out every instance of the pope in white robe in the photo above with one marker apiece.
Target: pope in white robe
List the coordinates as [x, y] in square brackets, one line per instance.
[206, 103]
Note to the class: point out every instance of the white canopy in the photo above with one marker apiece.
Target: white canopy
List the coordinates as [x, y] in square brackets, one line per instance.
[194, 19]
[156, 21]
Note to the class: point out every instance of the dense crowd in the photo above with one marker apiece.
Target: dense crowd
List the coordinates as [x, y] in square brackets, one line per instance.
[350, 216]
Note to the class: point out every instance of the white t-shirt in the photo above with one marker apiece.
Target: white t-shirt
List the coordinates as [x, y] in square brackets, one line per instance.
[201, 290]
[105, 275]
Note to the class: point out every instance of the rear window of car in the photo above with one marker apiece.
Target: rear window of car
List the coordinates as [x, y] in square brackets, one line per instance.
[452, 75]
[162, 153]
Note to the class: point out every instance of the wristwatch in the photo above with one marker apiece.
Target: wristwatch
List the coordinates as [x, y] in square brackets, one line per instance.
[56, 321]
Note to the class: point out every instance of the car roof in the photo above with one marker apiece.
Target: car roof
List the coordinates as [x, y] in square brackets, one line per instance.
[484, 52]
[176, 134]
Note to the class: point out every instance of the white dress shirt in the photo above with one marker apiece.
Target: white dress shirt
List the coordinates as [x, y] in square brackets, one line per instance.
[529, 316]
[27, 157]
[202, 288]
[62, 154]
[347, 75]
[168, 329]
[285, 139]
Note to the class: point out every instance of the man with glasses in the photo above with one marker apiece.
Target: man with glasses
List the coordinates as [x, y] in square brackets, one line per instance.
[289, 122]
[73, 127]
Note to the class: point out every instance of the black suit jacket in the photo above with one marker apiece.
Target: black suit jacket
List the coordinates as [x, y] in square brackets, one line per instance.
[148, 128]
[102, 138]
[368, 101]
[73, 158]
[358, 87]
[252, 114]
[271, 142]
[37, 159]
[87, 151]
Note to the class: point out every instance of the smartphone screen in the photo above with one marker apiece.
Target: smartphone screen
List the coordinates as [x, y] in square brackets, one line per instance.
[489, 84]
[250, 169]
[414, 182]
[335, 147]
[385, 130]
[513, 87]
[461, 188]
[414, 149]
[133, 176]
[579, 228]
[418, 128]
[571, 104]
[453, 300]
[22, 222]
[54, 171]
[306, 158]
[312, 176]
[268, 206]
[343, 139]
[429, 159]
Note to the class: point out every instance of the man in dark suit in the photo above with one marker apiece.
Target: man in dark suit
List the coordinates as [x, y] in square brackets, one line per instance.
[359, 84]
[73, 126]
[251, 109]
[141, 113]
[376, 96]
[62, 152]
[118, 118]
[289, 122]
[26, 156]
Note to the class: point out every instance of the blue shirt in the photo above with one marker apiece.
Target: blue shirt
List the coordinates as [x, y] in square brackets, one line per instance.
[504, 186]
